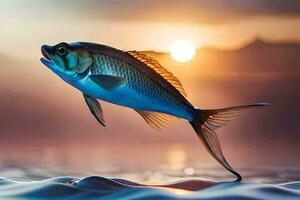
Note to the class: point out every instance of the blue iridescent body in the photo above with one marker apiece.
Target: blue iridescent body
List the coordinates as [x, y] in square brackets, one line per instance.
[144, 89]
[135, 80]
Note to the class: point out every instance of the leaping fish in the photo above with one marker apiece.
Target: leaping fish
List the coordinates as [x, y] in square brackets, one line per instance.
[138, 81]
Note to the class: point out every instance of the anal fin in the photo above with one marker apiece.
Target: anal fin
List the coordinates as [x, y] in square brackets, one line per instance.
[157, 120]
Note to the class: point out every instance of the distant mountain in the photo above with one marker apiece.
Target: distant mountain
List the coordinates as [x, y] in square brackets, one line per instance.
[259, 43]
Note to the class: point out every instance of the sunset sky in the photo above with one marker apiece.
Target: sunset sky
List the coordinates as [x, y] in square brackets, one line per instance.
[144, 24]
[39, 109]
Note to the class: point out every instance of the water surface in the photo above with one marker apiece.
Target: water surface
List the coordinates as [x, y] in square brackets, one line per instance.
[108, 188]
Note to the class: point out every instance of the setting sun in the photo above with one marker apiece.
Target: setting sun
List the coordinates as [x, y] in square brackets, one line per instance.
[182, 51]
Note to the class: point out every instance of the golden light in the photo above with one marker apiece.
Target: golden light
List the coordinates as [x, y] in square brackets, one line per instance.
[182, 51]
[177, 191]
[176, 158]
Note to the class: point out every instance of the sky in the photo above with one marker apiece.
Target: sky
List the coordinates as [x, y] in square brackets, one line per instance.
[222, 23]
[38, 110]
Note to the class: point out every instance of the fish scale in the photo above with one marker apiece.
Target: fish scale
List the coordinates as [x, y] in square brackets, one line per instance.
[138, 82]
[125, 57]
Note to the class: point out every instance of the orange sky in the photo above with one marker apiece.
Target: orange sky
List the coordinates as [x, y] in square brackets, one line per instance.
[144, 24]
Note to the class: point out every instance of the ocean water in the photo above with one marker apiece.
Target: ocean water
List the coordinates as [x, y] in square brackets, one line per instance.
[73, 174]
[28, 182]
[108, 188]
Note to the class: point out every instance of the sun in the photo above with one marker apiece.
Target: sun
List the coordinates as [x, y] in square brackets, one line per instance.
[182, 51]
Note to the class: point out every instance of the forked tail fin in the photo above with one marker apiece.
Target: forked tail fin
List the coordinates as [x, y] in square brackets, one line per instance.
[207, 121]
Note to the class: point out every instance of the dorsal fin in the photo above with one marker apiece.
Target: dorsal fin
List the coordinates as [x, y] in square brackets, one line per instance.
[157, 120]
[154, 64]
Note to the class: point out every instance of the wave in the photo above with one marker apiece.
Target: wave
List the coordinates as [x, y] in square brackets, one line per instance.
[97, 188]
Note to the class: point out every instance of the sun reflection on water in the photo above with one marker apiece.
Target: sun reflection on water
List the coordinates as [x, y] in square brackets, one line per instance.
[176, 191]
[176, 158]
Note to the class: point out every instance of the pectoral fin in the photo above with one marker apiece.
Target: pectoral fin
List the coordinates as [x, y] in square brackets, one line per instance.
[95, 108]
[108, 82]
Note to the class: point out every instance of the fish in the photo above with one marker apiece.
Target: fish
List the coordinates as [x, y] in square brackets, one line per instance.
[135, 80]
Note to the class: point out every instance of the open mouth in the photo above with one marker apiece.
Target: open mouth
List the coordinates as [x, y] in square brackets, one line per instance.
[46, 60]
[45, 53]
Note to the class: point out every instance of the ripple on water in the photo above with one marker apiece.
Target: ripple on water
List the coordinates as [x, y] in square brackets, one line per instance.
[94, 187]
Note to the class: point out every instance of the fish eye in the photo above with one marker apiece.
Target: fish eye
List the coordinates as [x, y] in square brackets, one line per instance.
[62, 51]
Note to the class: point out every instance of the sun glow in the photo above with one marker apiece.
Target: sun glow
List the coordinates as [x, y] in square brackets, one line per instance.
[182, 51]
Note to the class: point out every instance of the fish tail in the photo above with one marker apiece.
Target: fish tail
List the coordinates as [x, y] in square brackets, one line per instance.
[206, 122]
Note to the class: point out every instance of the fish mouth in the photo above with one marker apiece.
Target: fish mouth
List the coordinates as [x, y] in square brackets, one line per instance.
[46, 59]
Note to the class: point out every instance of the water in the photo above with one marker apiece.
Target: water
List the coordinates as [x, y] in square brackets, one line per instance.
[146, 164]
[104, 188]
[170, 173]
[28, 182]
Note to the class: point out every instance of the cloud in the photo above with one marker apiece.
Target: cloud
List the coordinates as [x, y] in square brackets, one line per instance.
[195, 11]
[177, 11]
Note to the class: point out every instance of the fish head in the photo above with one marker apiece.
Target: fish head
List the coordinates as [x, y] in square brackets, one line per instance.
[68, 59]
